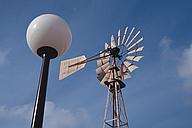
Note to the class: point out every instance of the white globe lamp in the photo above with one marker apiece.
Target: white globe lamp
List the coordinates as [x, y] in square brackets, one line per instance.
[48, 36]
[48, 31]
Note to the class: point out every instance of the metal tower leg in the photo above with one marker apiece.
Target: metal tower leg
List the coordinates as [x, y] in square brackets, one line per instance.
[117, 107]
[107, 107]
[125, 114]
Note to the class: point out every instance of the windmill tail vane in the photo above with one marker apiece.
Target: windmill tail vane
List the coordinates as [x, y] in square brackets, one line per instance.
[114, 65]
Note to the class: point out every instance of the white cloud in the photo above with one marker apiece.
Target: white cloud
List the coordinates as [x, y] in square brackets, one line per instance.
[55, 117]
[182, 62]
[19, 116]
[3, 56]
[165, 44]
[168, 53]
[185, 68]
[19, 112]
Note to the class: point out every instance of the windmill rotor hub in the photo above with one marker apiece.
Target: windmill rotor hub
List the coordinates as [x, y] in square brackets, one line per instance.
[115, 51]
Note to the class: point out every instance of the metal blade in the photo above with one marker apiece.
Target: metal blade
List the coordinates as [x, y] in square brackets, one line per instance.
[104, 54]
[107, 69]
[100, 75]
[127, 64]
[132, 67]
[134, 58]
[113, 42]
[124, 72]
[124, 35]
[66, 69]
[129, 35]
[103, 64]
[106, 46]
[103, 61]
[133, 38]
[119, 36]
[102, 68]
[123, 68]
[106, 77]
[135, 43]
[125, 76]
[136, 50]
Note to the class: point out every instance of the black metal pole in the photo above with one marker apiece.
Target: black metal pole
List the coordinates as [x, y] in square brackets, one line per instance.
[38, 113]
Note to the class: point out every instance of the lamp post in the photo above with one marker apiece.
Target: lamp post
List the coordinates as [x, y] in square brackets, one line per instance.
[48, 36]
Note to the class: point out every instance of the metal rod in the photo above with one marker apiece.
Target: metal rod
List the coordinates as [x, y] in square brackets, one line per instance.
[88, 60]
[114, 109]
[126, 118]
[114, 104]
[106, 107]
[117, 106]
[38, 112]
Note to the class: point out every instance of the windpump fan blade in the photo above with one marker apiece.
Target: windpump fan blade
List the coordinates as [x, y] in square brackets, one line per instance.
[140, 49]
[124, 72]
[103, 72]
[134, 58]
[135, 43]
[125, 32]
[113, 45]
[118, 38]
[129, 35]
[106, 46]
[70, 66]
[133, 38]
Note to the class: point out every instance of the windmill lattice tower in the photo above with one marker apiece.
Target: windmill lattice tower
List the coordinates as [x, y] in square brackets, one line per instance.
[114, 66]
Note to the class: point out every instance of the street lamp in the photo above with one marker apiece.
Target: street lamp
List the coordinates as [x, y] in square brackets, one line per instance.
[48, 36]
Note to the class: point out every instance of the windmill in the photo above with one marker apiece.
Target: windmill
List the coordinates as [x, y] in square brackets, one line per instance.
[115, 63]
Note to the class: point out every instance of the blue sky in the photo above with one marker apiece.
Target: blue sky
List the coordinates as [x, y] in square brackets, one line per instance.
[159, 94]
